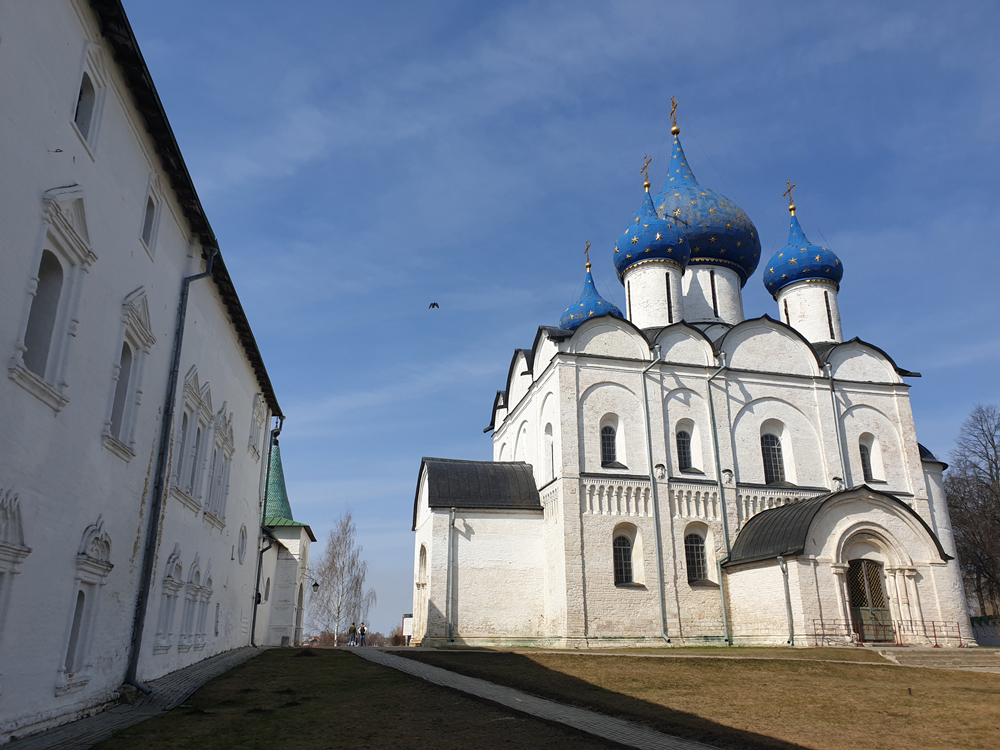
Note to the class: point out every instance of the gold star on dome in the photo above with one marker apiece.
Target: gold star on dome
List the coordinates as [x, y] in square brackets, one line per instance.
[581, 304]
[616, 249]
[784, 275]
[711, 210]
[836, 262]
[680, 241]
[591, 313]
[628, 230]
[677, 212]
[671, 179]
[739, 243]
[645, 225]
[793, 261]
[660, 237]
[828, 270]
[704, 193]
[660, 208]
[694, 203]
[599, 302]
[697, 249]
[627, 257]
[634, 240]
[647, 250]
[771, 270]
[669, 250]
[729, 226]
[711, 239]
[781, 255]
[803, 250]
[816, 258]
[677, 195]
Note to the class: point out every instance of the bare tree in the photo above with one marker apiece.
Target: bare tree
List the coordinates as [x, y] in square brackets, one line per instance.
[973, 488]
[342, 596]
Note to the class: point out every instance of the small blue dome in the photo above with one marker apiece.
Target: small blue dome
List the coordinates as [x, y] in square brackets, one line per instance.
[719, 232]
[590, 305]
[800, 259]
[649, 237]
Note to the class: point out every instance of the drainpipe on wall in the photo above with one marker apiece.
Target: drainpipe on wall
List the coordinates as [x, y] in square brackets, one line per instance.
[722, 496]
[260, 532]
[788, 601]
[448, 604]
[653, 493]
[156, 501]
[836, 424]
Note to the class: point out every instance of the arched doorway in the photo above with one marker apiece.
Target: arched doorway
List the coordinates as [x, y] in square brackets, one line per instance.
[870, 616]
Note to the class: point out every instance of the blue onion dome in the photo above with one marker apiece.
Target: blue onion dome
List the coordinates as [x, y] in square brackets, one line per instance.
[719, 232]
[801, 260]
[650, 238]
[590, 305]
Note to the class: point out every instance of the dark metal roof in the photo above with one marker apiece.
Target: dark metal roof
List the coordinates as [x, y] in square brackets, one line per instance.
[926, 455]
[478, 484]
[783, 531]
[117, 30]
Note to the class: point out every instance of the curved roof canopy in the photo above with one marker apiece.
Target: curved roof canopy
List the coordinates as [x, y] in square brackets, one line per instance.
[783, 531]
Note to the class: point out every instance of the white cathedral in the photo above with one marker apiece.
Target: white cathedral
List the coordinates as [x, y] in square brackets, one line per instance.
[680, 474]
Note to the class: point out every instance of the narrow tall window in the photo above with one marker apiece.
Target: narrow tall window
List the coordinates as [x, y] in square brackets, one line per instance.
[267, 590]
[683, 450]
[622, 546]
[774, 468]
[670, 302]
[121, 391]
[42, 318]
[216, 618]
[182, 454]
[715, 300]
[694, 554]
[85, 107]
[866, 462]
[829, 313]
[550, 454]
[195, 457]
[74, 633]
[787, 319]
[608, 452]
[147, 222]
[628, 299]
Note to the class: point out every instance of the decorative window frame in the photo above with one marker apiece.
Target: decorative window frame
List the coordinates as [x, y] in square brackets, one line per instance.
[95, 65]
[171, 586]
[154, 192]
[13, 550]
[136, 330]
[64, 234]
[257, 421]
[93, 564]
[217, 493]
[197, 405]
[189, 613]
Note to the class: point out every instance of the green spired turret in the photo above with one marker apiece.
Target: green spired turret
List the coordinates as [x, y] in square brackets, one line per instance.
[277, 494]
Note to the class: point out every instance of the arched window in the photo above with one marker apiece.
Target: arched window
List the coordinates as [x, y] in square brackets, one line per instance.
[121, 391]
[683, 450]
[608, 445]
[42, 318]
[85, 106]
[774, 468]
[195, 459]
[866, 462]
[422, 567]
[622, 547]
[694, 554]
[147, 222]
[550, 454]
[74, 633]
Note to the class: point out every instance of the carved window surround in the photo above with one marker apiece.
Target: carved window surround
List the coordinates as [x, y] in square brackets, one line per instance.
[13, 550]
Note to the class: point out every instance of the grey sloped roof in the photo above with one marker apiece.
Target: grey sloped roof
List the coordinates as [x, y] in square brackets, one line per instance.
[783, 531]
[926, 455]
[478, 484]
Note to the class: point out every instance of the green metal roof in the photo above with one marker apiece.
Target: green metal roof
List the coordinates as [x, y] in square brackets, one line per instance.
[274, 522]
[277, 495]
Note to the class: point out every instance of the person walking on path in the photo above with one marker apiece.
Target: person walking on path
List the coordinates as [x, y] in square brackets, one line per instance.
[362, 632]
[352, 633]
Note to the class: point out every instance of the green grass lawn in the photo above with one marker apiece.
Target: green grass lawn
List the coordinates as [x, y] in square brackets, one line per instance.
[337, 700]
[760, 703]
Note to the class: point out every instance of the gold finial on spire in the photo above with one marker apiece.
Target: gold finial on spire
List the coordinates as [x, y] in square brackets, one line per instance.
[788, 192]
[586, 251]
[645, 171]
[673, 117]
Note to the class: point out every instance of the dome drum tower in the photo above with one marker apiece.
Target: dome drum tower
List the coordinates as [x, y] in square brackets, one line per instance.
[713, 294]
[804, 279]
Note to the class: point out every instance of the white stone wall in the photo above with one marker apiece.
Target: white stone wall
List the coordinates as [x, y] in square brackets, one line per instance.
[654, 294]
[810, 307]
[75, 485]
[698, 299]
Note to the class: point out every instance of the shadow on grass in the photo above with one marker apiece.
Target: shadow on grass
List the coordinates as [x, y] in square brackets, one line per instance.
[524, 673]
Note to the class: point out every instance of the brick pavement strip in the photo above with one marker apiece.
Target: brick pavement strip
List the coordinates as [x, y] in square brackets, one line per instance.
[168, 692]
[610, 728]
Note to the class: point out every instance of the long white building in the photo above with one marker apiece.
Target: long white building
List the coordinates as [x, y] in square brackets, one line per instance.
[132, 481]
[677, 473]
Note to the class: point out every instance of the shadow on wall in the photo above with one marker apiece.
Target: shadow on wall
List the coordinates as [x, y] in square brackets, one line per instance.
[523, 673]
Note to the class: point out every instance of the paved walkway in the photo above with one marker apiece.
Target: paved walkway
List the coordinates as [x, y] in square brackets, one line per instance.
[616, 730]
[167, 692]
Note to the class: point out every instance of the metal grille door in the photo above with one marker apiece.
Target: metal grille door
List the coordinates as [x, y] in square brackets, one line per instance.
[870, 616]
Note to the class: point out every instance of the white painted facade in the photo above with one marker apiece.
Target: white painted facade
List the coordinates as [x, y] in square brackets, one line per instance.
[733, 387]
[95, 244]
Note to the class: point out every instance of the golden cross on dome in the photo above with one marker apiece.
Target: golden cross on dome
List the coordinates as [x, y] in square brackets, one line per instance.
[646, 161]
[673, 116]
[586, 251]
[788, 192]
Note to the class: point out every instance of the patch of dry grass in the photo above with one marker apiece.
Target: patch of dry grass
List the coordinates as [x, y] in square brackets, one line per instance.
[814, 704]
[337, 700]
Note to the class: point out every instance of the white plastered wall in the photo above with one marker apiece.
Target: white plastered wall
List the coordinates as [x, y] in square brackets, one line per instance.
[699, 281]
[654, 294]
[811, 308]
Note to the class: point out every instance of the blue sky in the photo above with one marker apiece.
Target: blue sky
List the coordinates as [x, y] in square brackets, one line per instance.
[359, 161]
